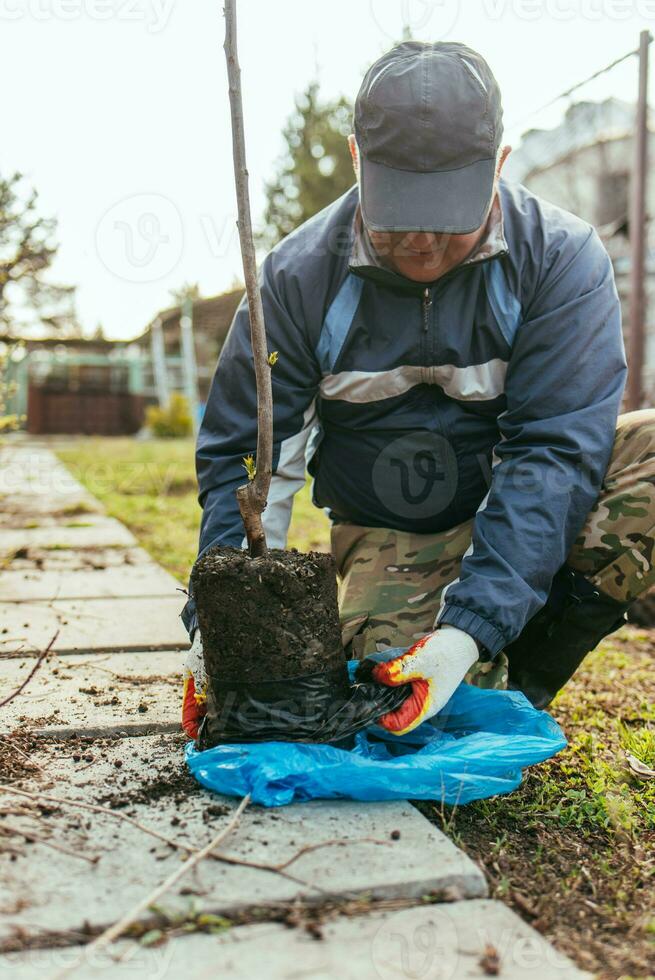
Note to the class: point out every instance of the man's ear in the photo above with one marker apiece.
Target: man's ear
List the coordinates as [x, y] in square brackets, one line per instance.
[502, 156]
[354, 153]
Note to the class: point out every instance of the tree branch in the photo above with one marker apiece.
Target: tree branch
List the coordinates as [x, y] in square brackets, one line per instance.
[30, 836]
[41, 658]
[252, 496]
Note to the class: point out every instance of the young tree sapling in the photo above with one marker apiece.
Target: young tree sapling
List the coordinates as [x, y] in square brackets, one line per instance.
[268, 616]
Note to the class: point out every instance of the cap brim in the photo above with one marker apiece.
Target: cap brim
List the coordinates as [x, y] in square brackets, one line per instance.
[447, 201]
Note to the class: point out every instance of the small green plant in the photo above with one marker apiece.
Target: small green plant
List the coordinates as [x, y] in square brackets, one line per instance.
[8, 422]
[172, 422]
[250, 466]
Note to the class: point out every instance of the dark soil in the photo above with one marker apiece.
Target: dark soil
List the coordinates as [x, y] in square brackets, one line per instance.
[267, 618]
[15, 750]
[177, 784]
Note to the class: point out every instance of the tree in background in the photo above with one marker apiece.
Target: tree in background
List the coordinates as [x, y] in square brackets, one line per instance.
[27, 249]
[188, 290]
[315, 168]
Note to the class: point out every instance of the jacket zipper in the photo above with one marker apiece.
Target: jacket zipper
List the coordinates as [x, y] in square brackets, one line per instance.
[426, 303]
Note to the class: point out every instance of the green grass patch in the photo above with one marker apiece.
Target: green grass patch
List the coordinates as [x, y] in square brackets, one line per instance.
[151, 487]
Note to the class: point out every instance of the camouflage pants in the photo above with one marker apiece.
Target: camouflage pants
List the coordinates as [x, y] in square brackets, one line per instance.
[391, 582]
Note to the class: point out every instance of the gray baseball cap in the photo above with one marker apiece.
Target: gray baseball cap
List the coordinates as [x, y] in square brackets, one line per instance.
[428, 124]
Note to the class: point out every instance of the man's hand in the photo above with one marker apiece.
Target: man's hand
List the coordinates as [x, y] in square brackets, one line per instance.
[195, 688]
[435, 666]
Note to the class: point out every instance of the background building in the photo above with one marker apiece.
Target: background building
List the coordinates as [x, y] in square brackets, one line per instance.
[585, 165]
[102, 387]
[211, 319]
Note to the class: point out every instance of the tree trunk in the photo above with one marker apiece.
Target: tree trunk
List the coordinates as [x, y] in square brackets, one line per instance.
[252, 496]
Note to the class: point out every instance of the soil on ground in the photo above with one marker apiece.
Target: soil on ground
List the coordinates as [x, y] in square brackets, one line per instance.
[267, 618]
[16, 749]
[177, 784]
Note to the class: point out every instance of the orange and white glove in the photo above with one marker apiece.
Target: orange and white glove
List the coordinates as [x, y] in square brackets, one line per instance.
[194, 695]
[435, 667]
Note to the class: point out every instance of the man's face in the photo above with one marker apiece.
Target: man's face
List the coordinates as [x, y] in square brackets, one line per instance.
[423, 256]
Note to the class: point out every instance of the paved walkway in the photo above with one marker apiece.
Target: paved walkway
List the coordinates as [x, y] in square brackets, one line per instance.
[383, 892]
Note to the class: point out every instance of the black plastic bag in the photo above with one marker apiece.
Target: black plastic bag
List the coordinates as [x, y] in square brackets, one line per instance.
[323, 707]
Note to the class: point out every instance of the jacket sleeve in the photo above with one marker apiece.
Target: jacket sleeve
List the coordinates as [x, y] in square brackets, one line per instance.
[229, 428]
[564, 386]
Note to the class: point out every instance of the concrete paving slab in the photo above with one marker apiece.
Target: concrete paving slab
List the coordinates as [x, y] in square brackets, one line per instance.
[48, 731]
[74, 559]
[48, 890]
[89, 531]
[435, 942]
[87, 625]
[33, 470]
[143, 579]
[106, 691]
[13, 506]
[31, 517]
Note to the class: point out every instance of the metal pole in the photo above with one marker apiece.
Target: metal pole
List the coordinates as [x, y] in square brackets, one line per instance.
[638, 234]
[189, 361]
[158, 350]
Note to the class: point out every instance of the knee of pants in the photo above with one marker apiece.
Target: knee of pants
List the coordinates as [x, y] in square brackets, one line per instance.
[635, 442]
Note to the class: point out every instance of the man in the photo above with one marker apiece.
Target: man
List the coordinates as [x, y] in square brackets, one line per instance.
[450, 353]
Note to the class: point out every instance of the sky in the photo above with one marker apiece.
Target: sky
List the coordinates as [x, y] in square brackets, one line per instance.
[117, 112]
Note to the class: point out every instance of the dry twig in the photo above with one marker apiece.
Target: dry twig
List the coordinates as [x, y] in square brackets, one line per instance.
[37, 839]
[109, 935]
[326, 843]
[263, 866]
[279, 868]
[96, 808]
[40, 659]
[12, 745]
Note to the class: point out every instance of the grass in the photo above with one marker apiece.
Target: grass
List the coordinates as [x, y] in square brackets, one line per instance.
[573, 850]
[151, 487]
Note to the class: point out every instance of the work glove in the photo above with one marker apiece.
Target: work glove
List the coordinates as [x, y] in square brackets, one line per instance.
[194, 695]
[435, 667]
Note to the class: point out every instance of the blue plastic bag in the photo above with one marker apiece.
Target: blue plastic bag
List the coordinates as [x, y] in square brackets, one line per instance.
[476, 747]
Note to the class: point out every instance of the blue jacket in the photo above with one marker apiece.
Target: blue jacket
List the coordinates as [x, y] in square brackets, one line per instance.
[490, 394]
